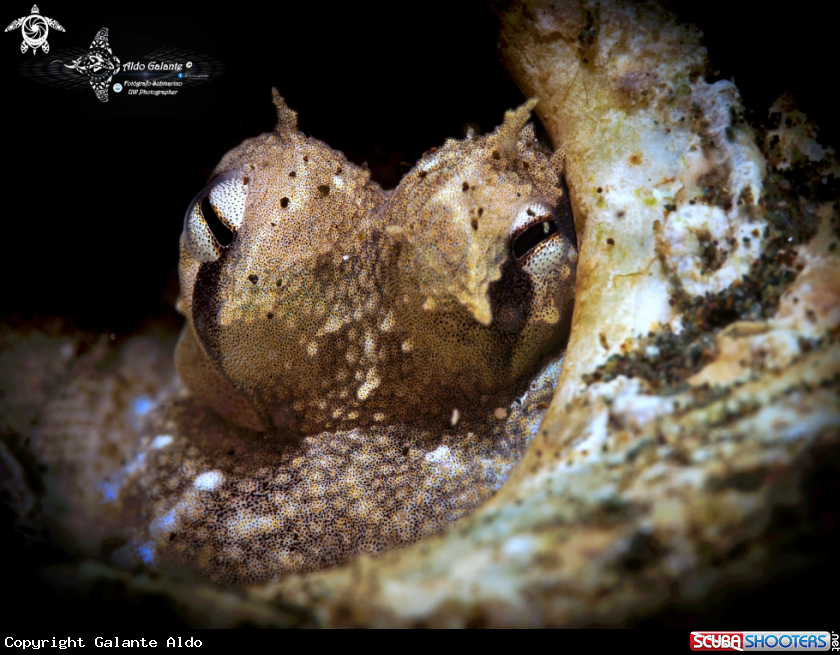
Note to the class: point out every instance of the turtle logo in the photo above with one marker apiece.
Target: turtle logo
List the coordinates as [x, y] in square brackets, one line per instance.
[34, 28]
[99, 64]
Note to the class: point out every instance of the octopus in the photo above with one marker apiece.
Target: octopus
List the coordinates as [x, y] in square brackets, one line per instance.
[359, 368]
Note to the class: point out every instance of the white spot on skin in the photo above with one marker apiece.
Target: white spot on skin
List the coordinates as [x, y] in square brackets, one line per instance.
[438, 455]
[160, 441]
[429, 164]
[456, 416]
[334, 323]
[387, 323]
[370, 344]
[372, 381]
[407, 346]
[516, 547]
[312, 349]
[209, 481]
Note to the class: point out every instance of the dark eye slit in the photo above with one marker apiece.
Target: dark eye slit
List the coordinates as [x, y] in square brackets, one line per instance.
[532, 237]
[223, 235]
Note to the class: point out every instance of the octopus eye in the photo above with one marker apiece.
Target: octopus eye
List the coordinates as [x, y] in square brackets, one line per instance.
[214, 217]
[539, 244]
[532, 237]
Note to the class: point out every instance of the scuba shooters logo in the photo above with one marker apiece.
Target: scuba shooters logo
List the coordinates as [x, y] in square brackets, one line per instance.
[760, 641]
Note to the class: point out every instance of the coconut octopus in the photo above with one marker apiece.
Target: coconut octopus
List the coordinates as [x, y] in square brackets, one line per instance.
[361, 368]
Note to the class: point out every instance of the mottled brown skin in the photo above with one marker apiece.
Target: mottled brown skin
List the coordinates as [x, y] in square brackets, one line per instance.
[362, 367]
[338, 305]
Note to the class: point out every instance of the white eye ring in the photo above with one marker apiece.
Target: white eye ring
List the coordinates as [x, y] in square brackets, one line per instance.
[539, 242]
[199, 240]
[547, 257]
[227, 195]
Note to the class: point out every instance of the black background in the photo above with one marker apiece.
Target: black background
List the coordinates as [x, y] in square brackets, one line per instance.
[95, 193]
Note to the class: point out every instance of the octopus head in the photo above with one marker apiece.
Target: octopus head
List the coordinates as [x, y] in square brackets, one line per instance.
[315, 300]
